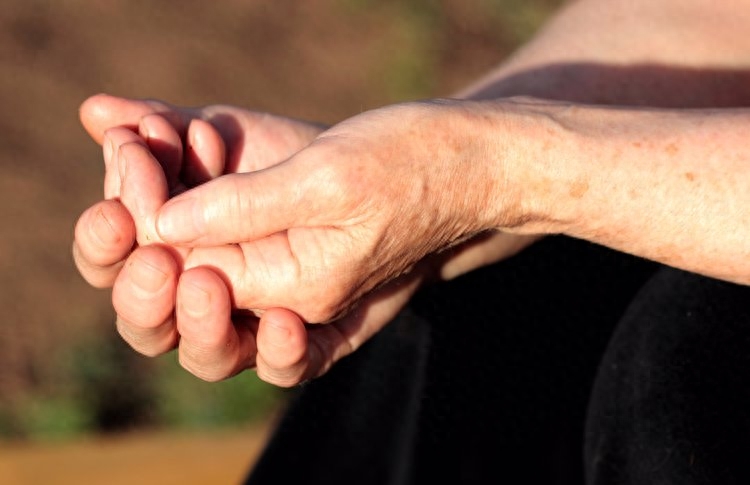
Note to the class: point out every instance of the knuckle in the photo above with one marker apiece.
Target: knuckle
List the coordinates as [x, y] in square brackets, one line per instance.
[138, 315]
[278, 378]
[202, 371]
[238, 204]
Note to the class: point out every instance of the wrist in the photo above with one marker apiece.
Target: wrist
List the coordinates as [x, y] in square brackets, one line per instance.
[528, 150]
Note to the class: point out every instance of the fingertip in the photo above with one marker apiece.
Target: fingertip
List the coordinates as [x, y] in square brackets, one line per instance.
[102, 111]
[91, 104]
[282, 339]
[206, 152]
[165, 142]
[107, 221]
[201, 293]
[209, 344]
[103, 236]
[143, 296]
[94, 112]
[151, 271]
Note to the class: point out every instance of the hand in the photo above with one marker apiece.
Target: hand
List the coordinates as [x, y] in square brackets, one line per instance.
[359, 207]
[218, 139]
[211, 346]
[217, 343]
[106, 232]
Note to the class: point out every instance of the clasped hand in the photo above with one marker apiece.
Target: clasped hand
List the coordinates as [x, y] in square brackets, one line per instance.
[248, 226]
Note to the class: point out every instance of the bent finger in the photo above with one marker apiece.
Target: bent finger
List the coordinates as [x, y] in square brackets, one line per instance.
[329, 343]
[144, 298]
[114, 138]
[103, 237]
[211, 346]
[165, 142]
[205, 153]
[282, 358]
[144, 188]
[102, 111]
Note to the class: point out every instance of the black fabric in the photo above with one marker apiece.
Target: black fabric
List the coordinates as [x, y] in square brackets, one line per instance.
[672, 400]
[489, 378]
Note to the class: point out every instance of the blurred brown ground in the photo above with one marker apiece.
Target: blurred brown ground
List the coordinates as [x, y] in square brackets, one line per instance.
[163, 458]
[316, 59]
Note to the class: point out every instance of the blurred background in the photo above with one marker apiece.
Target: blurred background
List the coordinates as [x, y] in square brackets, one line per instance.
[74, 401]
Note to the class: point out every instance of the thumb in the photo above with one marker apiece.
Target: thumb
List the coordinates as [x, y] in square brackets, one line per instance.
[239, 207]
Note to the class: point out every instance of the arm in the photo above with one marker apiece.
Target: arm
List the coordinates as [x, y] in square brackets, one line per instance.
[668, 185]
[671, 53]
[555, 64]
[498, 147]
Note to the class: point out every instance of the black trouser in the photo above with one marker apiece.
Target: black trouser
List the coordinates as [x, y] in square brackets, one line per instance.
[567, 364]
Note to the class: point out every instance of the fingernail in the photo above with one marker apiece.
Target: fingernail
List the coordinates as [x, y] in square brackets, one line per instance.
[193, 140]
[180, 220]
[146, 276]
[195, 301]
[108, 147]
[103, 231]
[143, 128]
[122, 164]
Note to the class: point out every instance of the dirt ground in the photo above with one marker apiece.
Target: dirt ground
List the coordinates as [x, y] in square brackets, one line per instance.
[146, 458]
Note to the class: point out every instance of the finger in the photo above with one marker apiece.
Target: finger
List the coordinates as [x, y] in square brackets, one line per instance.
[282, 358]
[274, 138]
[211, 347]
[205, 153]
[144, 298]
[244, 207]
[103, 237]
[165, 143]
[114, 138]
[144, 188]
[329, 343]
[101, 112]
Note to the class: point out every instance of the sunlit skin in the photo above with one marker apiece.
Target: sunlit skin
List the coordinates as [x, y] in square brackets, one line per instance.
[210, 344]
[343, 230]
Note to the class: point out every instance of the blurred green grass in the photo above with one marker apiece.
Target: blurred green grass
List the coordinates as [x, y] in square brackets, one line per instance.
[63, 371]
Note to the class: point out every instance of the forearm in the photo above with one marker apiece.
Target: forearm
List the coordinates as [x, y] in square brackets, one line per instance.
[667, 185]
[676, 53]
[671, 53]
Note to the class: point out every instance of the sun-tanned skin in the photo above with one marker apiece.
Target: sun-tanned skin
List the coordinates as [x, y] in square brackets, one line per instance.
[345, 229]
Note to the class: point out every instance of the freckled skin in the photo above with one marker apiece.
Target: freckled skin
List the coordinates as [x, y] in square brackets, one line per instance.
[609, 188]
[579, 189]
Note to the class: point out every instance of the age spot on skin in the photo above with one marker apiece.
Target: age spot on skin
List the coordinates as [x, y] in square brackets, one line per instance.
[690, 176]
[578, 189]
[671, 149]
